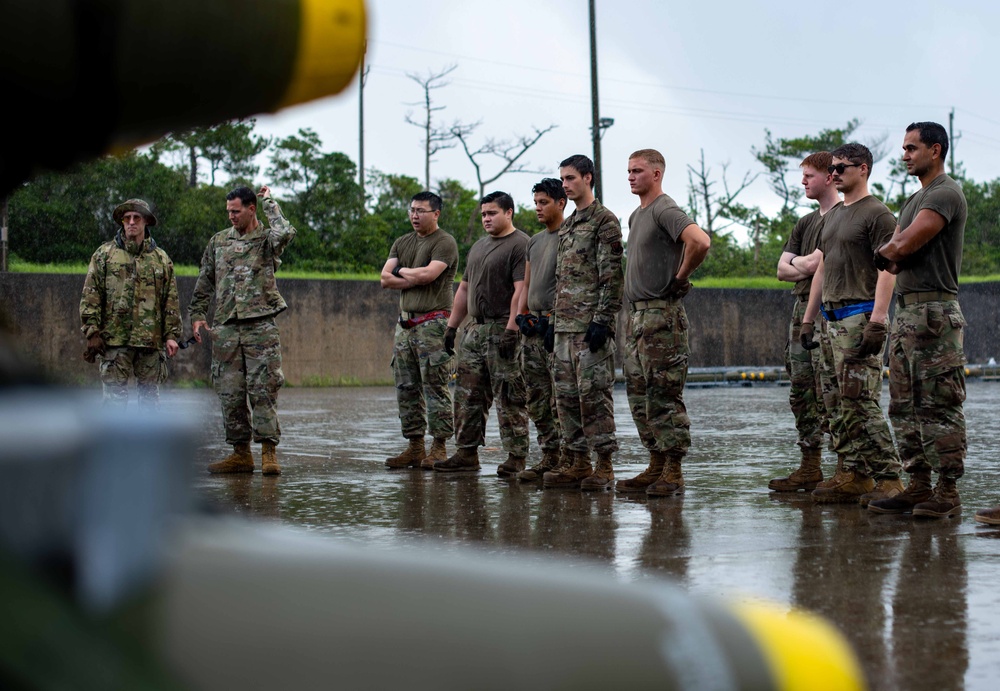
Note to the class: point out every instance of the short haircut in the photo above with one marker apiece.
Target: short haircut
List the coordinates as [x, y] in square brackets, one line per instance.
[551, 187]
[432, 199]
[582, 165]
[501, 199]
[821, 160]
[931, 133]
[652, 157]
[855, 153]
[246, 195]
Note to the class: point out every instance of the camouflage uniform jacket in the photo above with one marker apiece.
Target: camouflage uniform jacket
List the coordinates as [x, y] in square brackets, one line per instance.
[239, 270]
[589, 277]
[130, 295]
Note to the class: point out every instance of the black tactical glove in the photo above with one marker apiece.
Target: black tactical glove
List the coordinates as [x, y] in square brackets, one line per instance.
[596, 336]
[95, 347]
[528, 323]
[508, 344]
[542, 326]
[806, 334]
[881, 263]
[549, 341]
[449, 340]
[872, 339]
[679, 288]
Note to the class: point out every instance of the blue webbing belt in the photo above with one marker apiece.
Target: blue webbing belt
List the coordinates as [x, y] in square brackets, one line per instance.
[848, 311]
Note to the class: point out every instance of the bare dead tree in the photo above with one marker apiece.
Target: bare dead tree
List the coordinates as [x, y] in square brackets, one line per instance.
[436, 138]
[509, 151]
[712, 210]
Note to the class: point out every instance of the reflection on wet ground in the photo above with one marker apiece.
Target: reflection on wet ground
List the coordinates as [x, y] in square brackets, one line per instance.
[916, 597]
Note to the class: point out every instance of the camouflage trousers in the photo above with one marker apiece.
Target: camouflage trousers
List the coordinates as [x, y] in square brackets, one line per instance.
[246, 372]
[147, 365]
[656, 363]
[583, 384]
[421, 369]
[859, 428]
[541, 401]
[927, 387]
[829, 390]
[482, 376]
[804, 395]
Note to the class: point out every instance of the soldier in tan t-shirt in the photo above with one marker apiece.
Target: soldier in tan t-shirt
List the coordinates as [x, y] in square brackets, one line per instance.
[489, 365]
[855, 300]
[421, 266]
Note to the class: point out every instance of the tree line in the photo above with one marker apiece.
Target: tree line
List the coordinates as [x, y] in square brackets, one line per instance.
[61, 217]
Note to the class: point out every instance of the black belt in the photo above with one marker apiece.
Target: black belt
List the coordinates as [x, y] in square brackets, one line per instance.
[906, 299]
[490, 320]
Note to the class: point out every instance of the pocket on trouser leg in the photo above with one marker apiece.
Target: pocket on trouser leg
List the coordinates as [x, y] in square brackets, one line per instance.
[596, 373]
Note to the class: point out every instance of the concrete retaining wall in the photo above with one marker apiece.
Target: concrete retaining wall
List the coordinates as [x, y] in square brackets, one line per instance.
[340, 332]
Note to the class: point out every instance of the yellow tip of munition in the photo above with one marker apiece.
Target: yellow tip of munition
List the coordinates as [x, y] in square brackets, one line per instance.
[331, 43]
[803, 650]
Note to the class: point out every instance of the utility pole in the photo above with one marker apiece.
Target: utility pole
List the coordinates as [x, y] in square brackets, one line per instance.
[595, 128]
[361, 120]
[951, 141]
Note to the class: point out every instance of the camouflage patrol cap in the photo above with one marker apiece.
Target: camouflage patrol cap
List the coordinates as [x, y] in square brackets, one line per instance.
[137, 205]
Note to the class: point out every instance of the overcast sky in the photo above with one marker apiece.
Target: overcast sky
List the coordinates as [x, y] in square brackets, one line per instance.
[676, 76]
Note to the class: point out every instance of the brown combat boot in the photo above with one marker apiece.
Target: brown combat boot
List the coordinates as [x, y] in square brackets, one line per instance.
[885, 488]
[670, 482]
[239, 461]
[570, 476]
[854, 483]
[462, 461]
[989, 516]
[806, 476]
[918, 489]
[410, 458]
[269, 459]
[603, 477]
[512, 466]
[943, 503]
[437, 453]
[550, 459]
[838, 475]
[652, 473]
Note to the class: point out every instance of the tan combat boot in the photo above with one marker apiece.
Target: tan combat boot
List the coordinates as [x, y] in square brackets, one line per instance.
[571, 476]
[269, 459]
[462, 461]
[603, 477]
[670, 482]
[917, 490]
[550, 459]
[512, 466]
[855, 482]
[838, 476]
[989, 516]
[885, 488]
[239, 461]
[410, 458]
[806, 476]
[437, 453]
[943, 503]
[652, 473]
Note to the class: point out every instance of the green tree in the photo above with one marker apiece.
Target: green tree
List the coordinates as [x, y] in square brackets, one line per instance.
[229, 147]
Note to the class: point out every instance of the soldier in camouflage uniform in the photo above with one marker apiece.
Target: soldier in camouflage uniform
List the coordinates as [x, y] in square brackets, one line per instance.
[421, 266]
[238, 269]
[797, 264]
[855, 298]
[537, 328]
[665, 247]
[926, 360]
[489, 354]
[129, 309]
[588, 298]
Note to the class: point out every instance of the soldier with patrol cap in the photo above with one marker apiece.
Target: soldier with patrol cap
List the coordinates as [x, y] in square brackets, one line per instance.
[129, 310]
[238, 269]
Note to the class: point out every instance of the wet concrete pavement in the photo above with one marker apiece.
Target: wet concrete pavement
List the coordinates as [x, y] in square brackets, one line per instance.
[915, 597]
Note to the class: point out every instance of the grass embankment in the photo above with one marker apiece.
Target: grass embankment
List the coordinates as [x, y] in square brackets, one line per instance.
[732, 282]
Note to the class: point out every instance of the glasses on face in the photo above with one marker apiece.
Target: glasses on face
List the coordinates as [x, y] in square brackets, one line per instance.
[419, 212]
[841, 167]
